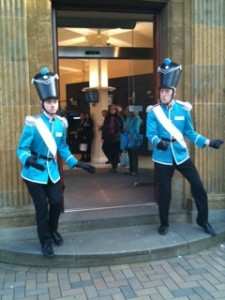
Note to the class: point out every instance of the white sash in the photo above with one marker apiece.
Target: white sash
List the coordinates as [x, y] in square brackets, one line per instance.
[169, 126]
[46, 136]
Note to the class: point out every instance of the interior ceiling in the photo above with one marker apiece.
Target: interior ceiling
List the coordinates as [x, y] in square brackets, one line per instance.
[131, 31]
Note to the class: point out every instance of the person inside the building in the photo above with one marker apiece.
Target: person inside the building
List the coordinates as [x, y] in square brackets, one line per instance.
[105, 146]
[42, 138]
[132, 128]
[112, 126]
[168, 124]
[85, 135]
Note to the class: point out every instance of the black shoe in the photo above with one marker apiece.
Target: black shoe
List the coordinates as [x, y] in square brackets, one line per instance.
[208, 229]
[163, 229]
[57, 238]
[47, 250]
[113, 170]
[130, 173]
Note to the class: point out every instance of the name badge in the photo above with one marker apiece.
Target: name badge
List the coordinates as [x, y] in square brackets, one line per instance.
[179, 118]
[58, 134]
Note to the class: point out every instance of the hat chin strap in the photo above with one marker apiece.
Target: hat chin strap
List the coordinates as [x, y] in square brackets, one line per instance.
[169, 101]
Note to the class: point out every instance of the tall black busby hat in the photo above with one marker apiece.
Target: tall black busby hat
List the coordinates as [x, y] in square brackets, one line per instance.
[169, 74]
[46, 84]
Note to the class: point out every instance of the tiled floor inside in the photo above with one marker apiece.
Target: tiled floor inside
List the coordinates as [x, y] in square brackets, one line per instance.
[104, 189]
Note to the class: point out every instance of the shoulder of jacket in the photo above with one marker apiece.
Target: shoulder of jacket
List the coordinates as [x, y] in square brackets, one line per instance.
[186, 105]
[30, 120]
[63, 120]
[150, 107]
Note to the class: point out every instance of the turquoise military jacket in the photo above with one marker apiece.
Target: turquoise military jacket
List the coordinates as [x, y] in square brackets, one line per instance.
[31, 143]
[179, 115]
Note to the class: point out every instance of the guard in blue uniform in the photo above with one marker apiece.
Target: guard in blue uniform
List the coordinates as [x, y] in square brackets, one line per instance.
[168, 124]
[42, 138]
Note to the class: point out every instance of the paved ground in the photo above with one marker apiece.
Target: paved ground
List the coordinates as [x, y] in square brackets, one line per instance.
[197, 276]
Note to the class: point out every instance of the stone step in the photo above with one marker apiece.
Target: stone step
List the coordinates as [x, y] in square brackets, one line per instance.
[117, 217]
[99, 243]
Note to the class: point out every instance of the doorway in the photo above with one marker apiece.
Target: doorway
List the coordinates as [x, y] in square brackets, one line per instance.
[101, 190]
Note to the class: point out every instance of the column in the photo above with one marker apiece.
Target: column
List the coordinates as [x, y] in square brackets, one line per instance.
[98, 78]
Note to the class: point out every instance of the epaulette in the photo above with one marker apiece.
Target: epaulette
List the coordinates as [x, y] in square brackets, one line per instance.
[30, 120]
[150, 107]
[186, 105]
[63, 120]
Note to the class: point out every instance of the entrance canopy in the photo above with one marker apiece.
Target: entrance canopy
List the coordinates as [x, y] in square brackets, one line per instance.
[153, 6]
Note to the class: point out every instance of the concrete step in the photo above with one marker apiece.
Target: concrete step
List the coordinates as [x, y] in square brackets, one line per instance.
[132, 215]
[103, 241]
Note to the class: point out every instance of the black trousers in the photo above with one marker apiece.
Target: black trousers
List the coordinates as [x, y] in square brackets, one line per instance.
[164, 174]
[47, 202]
[114, 154]
[88, 153]
[133, 160]
[106, 149]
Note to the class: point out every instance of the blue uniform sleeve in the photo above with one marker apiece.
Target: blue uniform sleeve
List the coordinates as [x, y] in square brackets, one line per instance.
[25, 141]
[151, 128]
[65, 153]
[191, 134]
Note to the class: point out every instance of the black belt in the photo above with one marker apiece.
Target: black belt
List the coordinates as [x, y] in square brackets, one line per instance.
[169, 140]
[41, 156]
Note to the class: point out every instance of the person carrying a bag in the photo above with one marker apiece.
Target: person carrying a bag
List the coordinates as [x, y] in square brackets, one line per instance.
[85, 135]
[132, 130]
